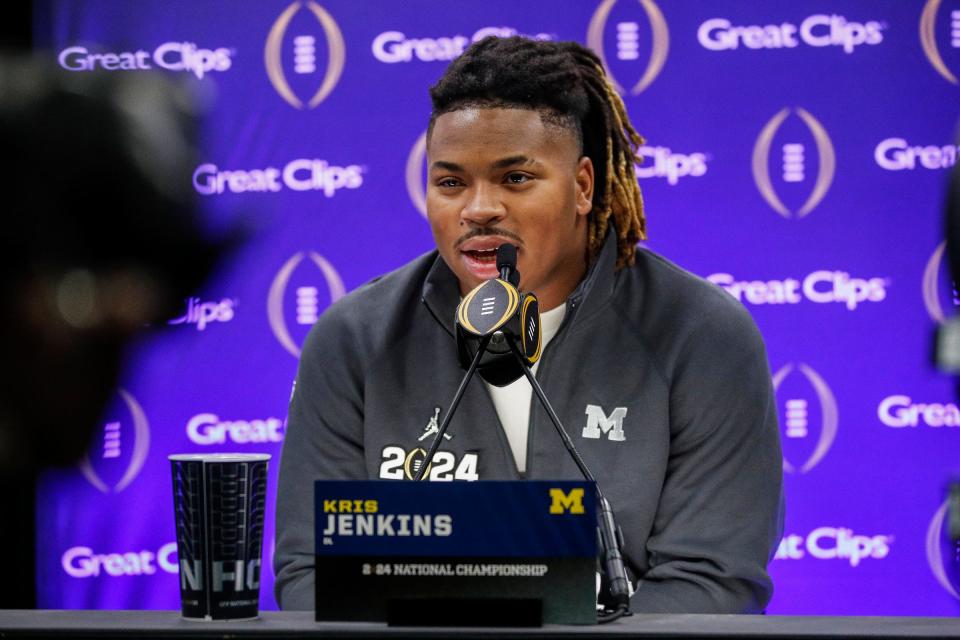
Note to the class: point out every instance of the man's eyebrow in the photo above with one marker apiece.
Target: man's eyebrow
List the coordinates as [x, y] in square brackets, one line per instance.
[503, 163]
[513, 161]
[446, 166]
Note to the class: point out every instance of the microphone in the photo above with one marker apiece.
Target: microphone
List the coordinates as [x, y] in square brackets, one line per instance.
[482, 317]
[498, 309]
[507, 264]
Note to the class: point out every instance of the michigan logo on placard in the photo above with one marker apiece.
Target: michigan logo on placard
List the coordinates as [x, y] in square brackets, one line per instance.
[940, 37]
[808, 415]
[943, 551]
[298, 296]
[940, 295]
[566, 501]
[119, 449]
[793, 162]
[632, 40]
[304, 54]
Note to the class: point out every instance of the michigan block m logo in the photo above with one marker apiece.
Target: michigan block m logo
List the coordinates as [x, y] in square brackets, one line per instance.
[598, 422]
[561, 502]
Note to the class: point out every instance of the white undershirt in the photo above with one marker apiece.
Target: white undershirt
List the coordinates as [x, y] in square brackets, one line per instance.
[512, 402]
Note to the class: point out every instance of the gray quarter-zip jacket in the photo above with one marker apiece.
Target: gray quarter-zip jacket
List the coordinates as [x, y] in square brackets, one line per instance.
[660, 378]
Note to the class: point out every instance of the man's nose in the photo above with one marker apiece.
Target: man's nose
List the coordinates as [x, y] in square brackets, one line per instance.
[484, 206]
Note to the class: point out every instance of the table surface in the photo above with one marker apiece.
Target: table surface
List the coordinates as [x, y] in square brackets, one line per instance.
[296, 624]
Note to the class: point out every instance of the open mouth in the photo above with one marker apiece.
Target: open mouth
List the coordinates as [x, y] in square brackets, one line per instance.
[479, 255]
[483, 255]
[482, 263]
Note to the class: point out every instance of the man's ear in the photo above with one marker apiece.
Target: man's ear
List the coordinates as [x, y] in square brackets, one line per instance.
[585, 186]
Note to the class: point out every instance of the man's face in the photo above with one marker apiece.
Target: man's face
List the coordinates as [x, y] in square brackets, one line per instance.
[501, 176]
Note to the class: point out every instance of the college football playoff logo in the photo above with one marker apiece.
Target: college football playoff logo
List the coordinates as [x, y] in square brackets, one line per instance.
[939, 291]
[942, 553]
[928, 36]
[301, 51]
[119, 452]
[306, 303]
[794, 163]
[416, 183]
[808, 416]
[628, 42]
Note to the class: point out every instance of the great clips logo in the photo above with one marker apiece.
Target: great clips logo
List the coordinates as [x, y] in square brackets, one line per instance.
[301, 69]
[120, 448]
[302, 174]
[171, 56]
[819, 287]
[793, 162]
[820, 30]
[940, 294]
[808, 416]
[943, 554]
[201, 314]
[208, 429]
[84, 562]
[662, 162]
[632, 40]
[298, 295]
[392, 47]
[896, 154]
[899, 411]
[834, 543]
[940, 37]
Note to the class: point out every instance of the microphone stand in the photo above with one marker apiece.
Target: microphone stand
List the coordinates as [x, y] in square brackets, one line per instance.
[611, 538]
[438, 438]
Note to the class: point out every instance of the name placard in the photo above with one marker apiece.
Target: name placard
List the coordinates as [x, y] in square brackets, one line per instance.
[384, 547]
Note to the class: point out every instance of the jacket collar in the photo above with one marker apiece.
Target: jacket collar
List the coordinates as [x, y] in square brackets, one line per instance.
[597, 287]
[441, 291]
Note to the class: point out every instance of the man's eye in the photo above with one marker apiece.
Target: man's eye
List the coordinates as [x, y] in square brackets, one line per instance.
[448, 182]
[517, 178]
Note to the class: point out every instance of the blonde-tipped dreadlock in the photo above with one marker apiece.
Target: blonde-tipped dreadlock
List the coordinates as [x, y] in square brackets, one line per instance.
[567, 84]
[621, 200]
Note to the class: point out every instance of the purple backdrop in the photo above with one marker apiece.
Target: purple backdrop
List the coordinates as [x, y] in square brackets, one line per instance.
[796, 156]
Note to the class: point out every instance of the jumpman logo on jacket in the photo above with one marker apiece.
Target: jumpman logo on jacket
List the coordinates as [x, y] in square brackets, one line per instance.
[433, 427]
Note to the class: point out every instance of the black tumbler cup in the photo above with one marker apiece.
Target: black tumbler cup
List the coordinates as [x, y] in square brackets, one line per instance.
[219, 502]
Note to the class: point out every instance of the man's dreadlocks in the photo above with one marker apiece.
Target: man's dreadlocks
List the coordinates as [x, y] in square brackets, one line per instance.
[566, 83]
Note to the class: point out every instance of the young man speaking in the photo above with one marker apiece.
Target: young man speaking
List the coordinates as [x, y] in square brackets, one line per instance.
[660, 377]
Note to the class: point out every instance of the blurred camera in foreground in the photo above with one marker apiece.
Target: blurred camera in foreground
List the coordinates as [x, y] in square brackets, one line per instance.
[101, 237]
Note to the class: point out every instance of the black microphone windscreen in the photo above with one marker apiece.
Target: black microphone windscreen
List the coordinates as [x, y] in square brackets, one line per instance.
[506, 256]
